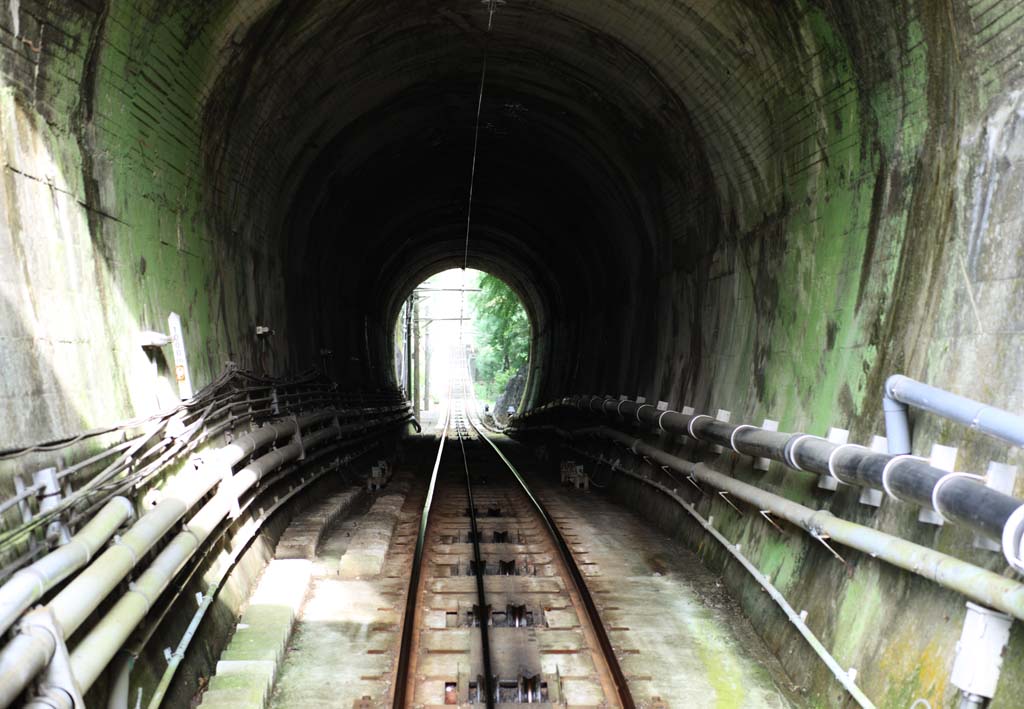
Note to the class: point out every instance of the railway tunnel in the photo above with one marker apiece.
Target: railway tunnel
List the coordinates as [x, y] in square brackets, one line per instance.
[730, 223]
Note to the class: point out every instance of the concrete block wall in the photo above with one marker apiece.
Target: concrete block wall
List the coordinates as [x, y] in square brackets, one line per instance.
[105, 227]
[781, 204]
[887, 241]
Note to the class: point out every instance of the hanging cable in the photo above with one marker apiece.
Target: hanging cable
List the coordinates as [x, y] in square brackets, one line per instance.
[491, 5]
[476, 131]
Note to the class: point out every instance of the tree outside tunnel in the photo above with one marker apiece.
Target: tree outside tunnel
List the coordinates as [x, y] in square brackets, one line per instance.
[458, 311]
[501, 344]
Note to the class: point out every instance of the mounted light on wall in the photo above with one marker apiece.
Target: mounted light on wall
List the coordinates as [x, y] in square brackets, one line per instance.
[151, 340]
[158, 386]
[979, 655]
[264, 348]
[326, 354]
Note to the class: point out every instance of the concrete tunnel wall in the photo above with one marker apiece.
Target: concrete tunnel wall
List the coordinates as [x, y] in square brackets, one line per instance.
[762, 207]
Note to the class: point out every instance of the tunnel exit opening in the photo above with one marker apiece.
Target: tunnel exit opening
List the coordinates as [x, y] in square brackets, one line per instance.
[459, 319]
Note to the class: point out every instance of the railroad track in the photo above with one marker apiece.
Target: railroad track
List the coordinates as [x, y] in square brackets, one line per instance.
[460, 589]
[497, 610]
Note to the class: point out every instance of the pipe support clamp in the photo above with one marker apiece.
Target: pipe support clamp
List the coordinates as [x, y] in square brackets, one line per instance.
[789, 450]
[942, 481]
[890, 464]
[1013, 540]
[689, 426]
[663, 416]
[832, 458]
[57, 679]
[732, 436]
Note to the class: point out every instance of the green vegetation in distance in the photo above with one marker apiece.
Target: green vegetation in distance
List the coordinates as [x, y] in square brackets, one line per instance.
[502, 336]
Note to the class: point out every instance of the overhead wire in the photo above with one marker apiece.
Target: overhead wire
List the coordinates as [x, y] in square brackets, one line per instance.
[476, 136]
[463, 375]
[462, 363]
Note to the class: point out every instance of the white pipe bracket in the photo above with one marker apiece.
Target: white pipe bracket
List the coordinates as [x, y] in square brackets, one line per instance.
[57, 681]
[641, 407]
[763, 464]
[689, 426]
[297, 437]
[732, 436]
[1013, 540]
[832, 458]
[789, 451]
[941, 482]
[724, 416]
[868, 495]
[119, 542]
[661, 417]
[888, 469]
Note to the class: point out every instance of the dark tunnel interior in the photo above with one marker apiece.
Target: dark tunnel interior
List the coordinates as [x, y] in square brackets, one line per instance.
[586, 161]
[743, 211]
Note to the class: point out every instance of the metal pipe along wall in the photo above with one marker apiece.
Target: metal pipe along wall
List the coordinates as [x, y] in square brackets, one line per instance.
[912, 480]
[978, 584]
[29, 653]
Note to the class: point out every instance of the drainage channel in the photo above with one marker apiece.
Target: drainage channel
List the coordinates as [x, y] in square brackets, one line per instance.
[496, 615]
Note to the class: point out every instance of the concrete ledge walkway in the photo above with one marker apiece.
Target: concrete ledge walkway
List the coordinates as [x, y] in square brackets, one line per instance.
[248, 667]
[343, 650]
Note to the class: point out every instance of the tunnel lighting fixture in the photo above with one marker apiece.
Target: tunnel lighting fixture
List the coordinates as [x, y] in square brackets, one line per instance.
[151, 343]
[979, 654]
[152, 340]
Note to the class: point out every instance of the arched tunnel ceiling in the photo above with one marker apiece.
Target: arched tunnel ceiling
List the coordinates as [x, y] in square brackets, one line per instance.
[739, 206]
[644, 166]
[636, 158]
[302, 75]
[346, 129]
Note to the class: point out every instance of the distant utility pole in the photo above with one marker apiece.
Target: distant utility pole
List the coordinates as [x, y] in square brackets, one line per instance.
[426, 367]
[415, 390]
[407, 374]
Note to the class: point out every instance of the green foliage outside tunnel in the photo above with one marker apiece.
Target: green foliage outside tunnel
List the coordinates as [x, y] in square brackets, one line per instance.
[502, 340]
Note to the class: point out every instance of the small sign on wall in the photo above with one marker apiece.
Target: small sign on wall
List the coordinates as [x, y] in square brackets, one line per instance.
[181, 372]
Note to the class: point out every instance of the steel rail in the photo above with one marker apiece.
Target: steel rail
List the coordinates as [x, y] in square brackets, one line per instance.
[483, 613]
[607, 650]
[409, 621]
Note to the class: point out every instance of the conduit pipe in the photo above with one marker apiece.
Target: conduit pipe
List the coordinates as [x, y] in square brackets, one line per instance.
[957, 498]
[98, 647]
[29, 584]
[83, 595]
[897, 426]
[901, 391]
[975, 583]
[240, 544]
